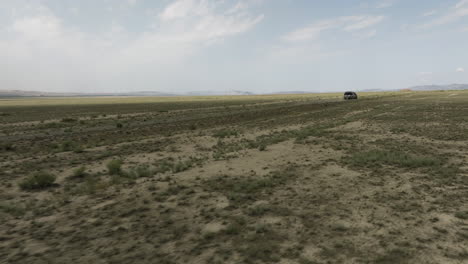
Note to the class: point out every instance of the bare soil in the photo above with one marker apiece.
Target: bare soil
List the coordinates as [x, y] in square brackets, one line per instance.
[383, 179]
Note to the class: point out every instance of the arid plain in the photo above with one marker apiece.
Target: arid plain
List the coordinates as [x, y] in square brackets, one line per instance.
[246, 179]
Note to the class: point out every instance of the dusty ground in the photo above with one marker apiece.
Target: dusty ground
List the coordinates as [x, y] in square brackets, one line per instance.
[293, 180]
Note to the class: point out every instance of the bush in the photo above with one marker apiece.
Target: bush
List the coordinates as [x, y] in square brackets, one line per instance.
[79, 172]
[462, 215]
[114, 167]
[163, 166]
[12, 209]
[71, 146]
[226, 133]
[7, 147]
[69, 120]
[142, 171]
[37, 181]
[119, 125]
[181, 166]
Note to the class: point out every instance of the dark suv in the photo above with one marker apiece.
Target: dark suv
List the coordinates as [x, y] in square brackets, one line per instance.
[350, 95]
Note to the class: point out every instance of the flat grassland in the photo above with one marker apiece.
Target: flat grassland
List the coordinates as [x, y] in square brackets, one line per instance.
[247, 179]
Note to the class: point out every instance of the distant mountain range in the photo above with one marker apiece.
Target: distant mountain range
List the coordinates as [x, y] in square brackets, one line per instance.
[20, 93]
[424, 88]
[439, 87]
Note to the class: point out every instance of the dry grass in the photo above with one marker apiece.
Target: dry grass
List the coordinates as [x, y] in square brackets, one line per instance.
[248, 179]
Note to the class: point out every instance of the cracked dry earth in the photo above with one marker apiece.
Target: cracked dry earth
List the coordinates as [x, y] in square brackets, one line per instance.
[379, 180]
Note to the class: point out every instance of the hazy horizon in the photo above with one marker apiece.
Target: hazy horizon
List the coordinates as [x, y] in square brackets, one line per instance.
[259, 46]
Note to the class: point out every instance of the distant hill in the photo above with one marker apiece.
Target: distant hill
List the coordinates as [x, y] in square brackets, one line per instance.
[20, 93]
[292, 92]
[439, 87]
[374, 90]
[213, 93]
[432, 87]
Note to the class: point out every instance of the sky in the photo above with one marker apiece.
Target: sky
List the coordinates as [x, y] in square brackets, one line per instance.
[259, 46]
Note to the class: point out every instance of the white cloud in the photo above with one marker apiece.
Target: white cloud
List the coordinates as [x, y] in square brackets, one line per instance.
[303, 43]
[385, 4]
[453, 14]
[184, 8]
[363, 22]
[310, 32]
[56, 56]
[460, 69]
[346, 23]
[429, 13]
[366, 34]
[461, 4]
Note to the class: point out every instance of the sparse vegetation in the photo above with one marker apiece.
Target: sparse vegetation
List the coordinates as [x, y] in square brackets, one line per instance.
[38, 181]
[462, 215]
[142, 171]
[69, 120]
[226, 133]
[382, 157]
[12, 209]
[114, 167]
[242, 190]
[79, 172]
[7, 147]
[264, 179]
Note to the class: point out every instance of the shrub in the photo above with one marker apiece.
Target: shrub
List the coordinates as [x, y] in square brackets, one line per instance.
[37, 181]
[262, 147]
[68, 120]
[226, 133]
[114, 167]
[7, 147]
[164, 166]
[12, 209]
[119, 125]
[182, 166]
[71, 146]
[306, 132]
[462, 215]
[79, 172]
[142, 171]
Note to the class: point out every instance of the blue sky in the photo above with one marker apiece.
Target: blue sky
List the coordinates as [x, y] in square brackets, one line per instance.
[223, 45]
